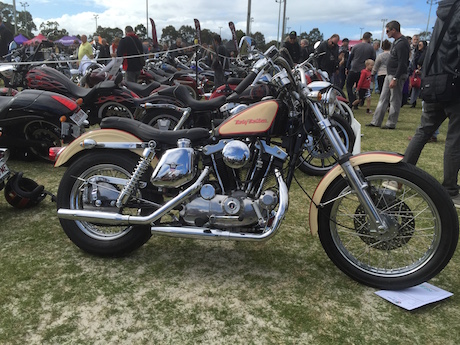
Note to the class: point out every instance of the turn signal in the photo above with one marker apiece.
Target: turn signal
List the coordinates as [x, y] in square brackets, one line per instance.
[315, 96]
[63, 119]
[79, 101]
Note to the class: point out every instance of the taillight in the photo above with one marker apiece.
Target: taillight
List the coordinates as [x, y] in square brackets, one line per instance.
[67, 102]
[54, 153]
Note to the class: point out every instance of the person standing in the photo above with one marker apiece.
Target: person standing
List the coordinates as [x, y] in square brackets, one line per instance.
[130, 45]
[328, 57]
[85, 48]
[344, 54]
[219, 61]
[416, 68]
[293, 46]
[358, 55]
[445, 60]
[6, 37]
[114, 47]
[104, 52]
[305, 50]
[381, 62]
[378, 51]
[394, 81]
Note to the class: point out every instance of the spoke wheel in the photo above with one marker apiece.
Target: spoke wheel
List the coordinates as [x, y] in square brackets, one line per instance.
[422, 228]
[93, 183]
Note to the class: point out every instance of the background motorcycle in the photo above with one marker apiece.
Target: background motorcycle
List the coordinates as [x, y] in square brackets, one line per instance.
[383, 222]
[318, 157]
[31, 121]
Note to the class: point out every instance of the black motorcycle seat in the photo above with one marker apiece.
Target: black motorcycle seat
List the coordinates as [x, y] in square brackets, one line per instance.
[162, 80]
[141, 90]
[181, 93]
[146, 132]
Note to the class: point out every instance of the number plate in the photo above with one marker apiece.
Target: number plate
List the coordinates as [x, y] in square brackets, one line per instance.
[4, 171]
[79, 117]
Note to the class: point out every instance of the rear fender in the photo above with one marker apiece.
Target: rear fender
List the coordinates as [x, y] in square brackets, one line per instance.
[99, 135]
[364, 158]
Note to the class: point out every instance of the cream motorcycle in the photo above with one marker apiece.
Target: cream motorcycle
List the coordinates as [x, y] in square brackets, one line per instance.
[383, 222]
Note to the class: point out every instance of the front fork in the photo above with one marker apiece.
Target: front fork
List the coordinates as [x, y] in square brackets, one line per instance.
[358, 184]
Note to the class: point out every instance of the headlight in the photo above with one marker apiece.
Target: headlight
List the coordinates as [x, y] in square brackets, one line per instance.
[330, 100]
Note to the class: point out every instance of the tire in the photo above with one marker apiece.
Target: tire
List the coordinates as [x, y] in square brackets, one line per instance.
[191, 91]
[47, 133]
[339, 92]
[164, 119]
[114, 109]
[423, 227]
[319, 156]
[98, 239]
[347, 114]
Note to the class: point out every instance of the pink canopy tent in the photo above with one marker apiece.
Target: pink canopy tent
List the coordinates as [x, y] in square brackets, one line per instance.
[37, 38]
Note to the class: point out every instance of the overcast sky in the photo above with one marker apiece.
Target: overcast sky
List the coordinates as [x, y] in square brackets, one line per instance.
[348, 18]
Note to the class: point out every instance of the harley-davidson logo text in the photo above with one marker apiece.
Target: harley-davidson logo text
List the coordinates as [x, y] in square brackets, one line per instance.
[250, 121]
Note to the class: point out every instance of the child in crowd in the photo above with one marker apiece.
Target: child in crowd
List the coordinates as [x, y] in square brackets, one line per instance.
[364, 86]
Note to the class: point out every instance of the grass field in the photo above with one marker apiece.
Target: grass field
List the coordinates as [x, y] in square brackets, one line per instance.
[174, 291]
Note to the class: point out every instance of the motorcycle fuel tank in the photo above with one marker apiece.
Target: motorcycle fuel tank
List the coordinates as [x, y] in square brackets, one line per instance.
[256, 119]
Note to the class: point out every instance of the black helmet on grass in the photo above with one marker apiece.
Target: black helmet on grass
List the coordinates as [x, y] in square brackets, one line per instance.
[22, 192]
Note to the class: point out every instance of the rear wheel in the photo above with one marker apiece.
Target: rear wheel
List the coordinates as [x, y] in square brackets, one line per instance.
[422, 234]
[114, 109]
[164, 119]
[43, 135]
[93, 183]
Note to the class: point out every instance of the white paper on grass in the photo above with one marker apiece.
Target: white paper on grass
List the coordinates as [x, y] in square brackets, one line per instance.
[415, 297]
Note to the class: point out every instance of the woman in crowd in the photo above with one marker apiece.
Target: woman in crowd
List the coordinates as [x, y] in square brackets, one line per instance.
[416, 67]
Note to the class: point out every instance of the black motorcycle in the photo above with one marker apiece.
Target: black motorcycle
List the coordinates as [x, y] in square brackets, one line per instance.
[30, 121]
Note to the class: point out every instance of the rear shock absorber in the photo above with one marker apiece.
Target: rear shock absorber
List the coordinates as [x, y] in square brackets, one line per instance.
[142, 166]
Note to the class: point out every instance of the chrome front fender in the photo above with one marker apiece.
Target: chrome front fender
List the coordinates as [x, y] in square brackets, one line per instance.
[364, 158]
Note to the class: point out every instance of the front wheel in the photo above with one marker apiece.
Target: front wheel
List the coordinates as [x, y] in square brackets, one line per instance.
[93, 183]
[422, 229]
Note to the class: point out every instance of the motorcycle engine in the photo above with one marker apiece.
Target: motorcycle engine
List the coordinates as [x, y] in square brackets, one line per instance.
[236, 210]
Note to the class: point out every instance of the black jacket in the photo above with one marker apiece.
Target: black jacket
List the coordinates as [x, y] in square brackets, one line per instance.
[130, 45]
[5, 39]
[294, 50]
[447, 58]
[329, 61]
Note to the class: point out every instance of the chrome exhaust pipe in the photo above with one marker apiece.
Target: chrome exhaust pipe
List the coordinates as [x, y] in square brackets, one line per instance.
[216, 234]
[111, 218]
